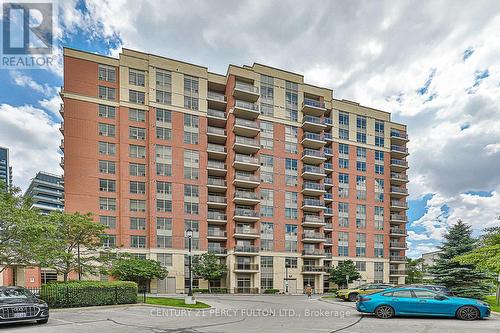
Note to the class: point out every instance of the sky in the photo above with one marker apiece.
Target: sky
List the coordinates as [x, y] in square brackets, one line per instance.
[435, 65]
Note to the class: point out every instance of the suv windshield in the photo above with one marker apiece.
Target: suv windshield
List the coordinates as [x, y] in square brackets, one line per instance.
[9, 295]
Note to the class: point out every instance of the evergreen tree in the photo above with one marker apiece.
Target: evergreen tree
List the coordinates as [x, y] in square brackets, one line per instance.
[463, 279]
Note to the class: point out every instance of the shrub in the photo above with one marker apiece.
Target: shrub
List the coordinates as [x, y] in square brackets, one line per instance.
[88, 293]
[271, 291]
[211, 291]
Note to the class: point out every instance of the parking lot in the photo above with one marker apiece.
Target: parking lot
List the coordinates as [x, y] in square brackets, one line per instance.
[245, 314]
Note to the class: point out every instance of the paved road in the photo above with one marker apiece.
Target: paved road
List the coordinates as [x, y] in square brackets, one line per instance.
[261, 314]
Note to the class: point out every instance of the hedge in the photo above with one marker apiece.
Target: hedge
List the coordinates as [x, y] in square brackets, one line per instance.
[211, 291]
[88, 293]
[271, 291]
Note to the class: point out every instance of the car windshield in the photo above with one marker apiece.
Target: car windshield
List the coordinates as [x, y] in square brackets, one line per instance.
[15, 295]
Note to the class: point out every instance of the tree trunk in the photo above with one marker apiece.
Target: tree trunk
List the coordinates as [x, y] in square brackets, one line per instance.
[209, 286]
[65, 276]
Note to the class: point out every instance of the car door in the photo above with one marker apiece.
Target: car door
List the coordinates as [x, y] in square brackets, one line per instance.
[428, 304]
[402, 301]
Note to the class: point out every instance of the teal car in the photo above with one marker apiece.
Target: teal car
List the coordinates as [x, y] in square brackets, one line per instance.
[421, 302]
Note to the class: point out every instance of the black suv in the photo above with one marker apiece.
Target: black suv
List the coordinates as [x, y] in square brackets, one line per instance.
[18, 304]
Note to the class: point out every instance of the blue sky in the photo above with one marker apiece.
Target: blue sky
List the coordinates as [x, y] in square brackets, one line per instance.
[432, 66]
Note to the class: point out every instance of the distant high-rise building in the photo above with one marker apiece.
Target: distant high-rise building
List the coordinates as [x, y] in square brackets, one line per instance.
[5, 169]
[47, 191]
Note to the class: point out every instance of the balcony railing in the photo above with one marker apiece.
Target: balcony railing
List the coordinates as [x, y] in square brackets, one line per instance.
[217, 250]
[313, 202]
[216, 233]
[400, 245]
[216, 96]
[314, 252]
[246, 231]
[327, 136]
[246, 87]
[328, 226]
[399, 203]
[328, 211]
[312, 219]
[398, 231]
[313, 136]
[398, 217]
[313, 186]
[312, 152]
[397, 272]
[313, 169]
[216, 199]
[247, 123]
[328, 121]
[246, 248]
[402, 163]
[246, 159]
[399, 190]
[313, 235]
[246, 212]
[398, 134]
[328, 166]
[399, 176]
[327, 196]
[311, 268]
[216, 130]
[213, 215]
[328, 181]
[312, 119]
[400, 149]
[216, 113]
[397, 258]
[328, 151]
[247, 105]
[246, 195]
[247, 141]
[314, 103]
[216, 148]
[246, 267]
[216, 164]
[216, 181]
[246, 177]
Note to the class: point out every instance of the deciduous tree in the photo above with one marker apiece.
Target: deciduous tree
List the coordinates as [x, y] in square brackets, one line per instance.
[209, 267]
[345, 271]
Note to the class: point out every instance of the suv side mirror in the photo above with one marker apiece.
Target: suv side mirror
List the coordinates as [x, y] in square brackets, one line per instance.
[440, 297]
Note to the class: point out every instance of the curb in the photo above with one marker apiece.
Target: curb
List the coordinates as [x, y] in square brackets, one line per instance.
[174, 307]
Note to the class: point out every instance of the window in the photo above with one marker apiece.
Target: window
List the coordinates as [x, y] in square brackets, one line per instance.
[137, 187]
[163, 232]
[379, 169]
[107, 130]
[136, 115]
[194, 226]
[343, 163]
[163, 97]
[343, 118]
[163, 133]
[108, 221]
[137, 223]
[379, 218]
[266, 88]
[191, 199]
[107, 167]
[291, 172]
[291, 139]
[163, 87]
[191, 164]
[343, 244]
[343, 149]
[266, 135]
[137, 133]
[190, 92]
[107, 73]
[165, 259]
[343, 212]
[360, 245]
[106, 111]
[361, 153]
[424, 294]
[291, 262]
[361, 266]
[361, 137]
[360, 122]
[379, 141]
[137, 151]
[164, 116]
[291, 204]
[137, 205]
[191, 129]
[402, 294]
[107, 204]
[379, 246]
[107, 93]
[266, 109]
[108, 241]
[379, 127]
[361, 166]
[107, 185]
[107, 148]
[291, 101]
[163, 205]
[379, 155]
[137, 169]
[360, 216]
[343, 185]
[379, 272]
[135, 96]
[136, 77]
[266, 202]
[138, 241]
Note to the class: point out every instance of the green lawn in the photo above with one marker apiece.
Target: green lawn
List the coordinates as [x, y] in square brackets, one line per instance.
[330, 296]
[177, 302]
[493, 303]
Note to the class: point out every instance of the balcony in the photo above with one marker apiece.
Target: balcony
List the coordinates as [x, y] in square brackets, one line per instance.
[400, 259]
[397, 272]
[394, 231]
[247, 250]
[246, 198]
[313, 253]
[313, 189]
[328, 137]
[216, 217]
[61, 129]
[397, 245]
[398, 192]
[246, 215]
[328, 212]
[246, 91]
[311, 269]
[328, 242]
[313, 237]
[398, 205]
[246, 145]
[61, 145]
[216, 151]
[216, 168]
[328, 152]
[246, 267]
[216, 184]
[216, 135]
[216, 234]
[313, 107]
[246, 233]
[246, 162]
[328, 256]
[328, 122]
[399, 151]
[312, 172]
[399, 218]
[313, 205]
[245, 127]
[328, 197]
[312, 124]
[311, 156]
[217, 250]
[399, 178]
[313, 140]
[245, 180]
[399, 137]
[398, 165]
[312, 221]
[216, 201]
[328, 227]
[216, 100]
[328, 166]
[61, 163]
[328, 182]
[246, 110]
[216, 118]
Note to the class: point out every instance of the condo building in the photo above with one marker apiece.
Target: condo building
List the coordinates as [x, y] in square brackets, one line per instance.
[5, 169]
[273, 175]
[46, 191]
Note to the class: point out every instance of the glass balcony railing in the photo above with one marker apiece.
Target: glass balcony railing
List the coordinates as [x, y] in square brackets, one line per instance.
[313, 136]
[246, 195]
[312, 152]
[398, 134]
[216, 96]
[400, 149]
[246, 212]
[328, 196]
[216, 181]
[216, 148]
[246, 105]
[398, 217]
[313, 202]
[246, 266]
[314, 103]
[313, 235]
[313, 169]
[328, 166]
[313, 219]
[399, 203]
[214, 215]
[328, 181]
[246, 248]
[399, 190]
[328, 211]
[312, 119]
[399, 176]
[247, 123]
[216, 130]
[216, 113]
[328, 151]
[246, 87]
[216, 164]
[216, 233]
[216, 199]
[217, 250]
[246, 159]
[402, 163]
[247, 141]
[246, 231]
[316, 252]
[398, 231]
[313, 186]
[246, 177]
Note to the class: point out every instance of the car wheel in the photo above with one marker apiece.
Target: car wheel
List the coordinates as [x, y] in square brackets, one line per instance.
[353, 297]
[384, 312]
[43, 321]
[468, 313]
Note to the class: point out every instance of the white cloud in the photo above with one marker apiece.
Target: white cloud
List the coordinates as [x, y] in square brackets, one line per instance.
[26, 81]
[52, 105]
[492, 148]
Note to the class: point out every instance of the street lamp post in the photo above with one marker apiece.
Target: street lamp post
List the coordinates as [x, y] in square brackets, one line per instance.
[189, 298]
